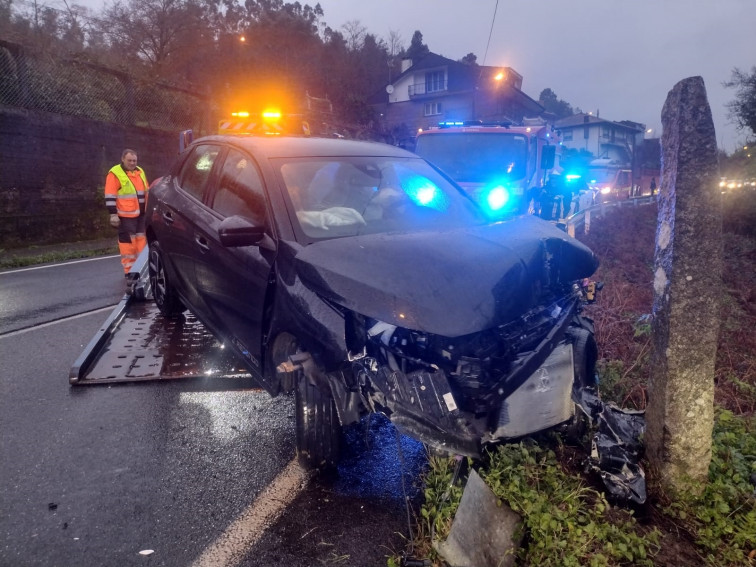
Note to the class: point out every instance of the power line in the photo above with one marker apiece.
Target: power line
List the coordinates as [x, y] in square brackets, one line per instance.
[490, 33]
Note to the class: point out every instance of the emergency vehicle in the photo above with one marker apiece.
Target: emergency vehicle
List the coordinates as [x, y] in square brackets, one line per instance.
[609, 180]
[502, 166]
[312, 116]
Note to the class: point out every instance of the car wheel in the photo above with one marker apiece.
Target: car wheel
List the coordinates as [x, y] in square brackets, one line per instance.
[318, 426]
[585, 354]
[162, 290]
[282, 348]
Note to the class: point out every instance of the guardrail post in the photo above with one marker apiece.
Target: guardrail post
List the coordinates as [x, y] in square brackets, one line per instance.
[587, 221]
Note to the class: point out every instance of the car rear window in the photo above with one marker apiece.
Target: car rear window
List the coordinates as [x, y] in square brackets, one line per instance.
[195, 173]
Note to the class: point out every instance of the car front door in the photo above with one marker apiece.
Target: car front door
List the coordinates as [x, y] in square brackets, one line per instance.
[233, 281]
[180, 211]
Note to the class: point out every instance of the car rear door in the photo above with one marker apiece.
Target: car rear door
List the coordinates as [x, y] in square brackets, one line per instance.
[233, 281]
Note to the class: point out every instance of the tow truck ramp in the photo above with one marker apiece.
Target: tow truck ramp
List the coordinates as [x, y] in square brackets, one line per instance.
[136, 343]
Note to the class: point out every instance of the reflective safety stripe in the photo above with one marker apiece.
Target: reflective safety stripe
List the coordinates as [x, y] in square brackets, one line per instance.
[236, 127]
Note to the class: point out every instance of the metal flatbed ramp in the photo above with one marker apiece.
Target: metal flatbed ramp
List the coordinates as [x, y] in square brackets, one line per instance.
[138, 343]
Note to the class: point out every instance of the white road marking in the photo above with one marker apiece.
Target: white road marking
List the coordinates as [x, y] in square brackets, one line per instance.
[232, 545]
[62, 320]
[59, 264]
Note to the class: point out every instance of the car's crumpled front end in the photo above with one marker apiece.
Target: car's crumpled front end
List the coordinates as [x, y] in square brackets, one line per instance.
[460, 338]
[458, 394]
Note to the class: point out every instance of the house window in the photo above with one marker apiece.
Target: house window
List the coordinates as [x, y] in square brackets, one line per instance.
[620, 134]
[434, 81]
[432, 108]
[567, 136]
[606, 132]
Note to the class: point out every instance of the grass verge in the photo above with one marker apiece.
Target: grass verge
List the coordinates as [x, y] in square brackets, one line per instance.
[30, 257]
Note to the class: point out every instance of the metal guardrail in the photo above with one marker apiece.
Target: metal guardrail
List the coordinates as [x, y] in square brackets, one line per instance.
[583, 218]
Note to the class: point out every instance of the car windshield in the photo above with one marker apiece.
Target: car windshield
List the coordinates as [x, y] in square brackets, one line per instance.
[346, 196]
[601, 176]
[476, 157]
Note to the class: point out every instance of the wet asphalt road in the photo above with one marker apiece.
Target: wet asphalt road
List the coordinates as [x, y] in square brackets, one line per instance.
[93, 475]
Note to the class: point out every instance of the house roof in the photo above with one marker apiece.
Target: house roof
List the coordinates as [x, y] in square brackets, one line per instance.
[577, 120]
[462, 77]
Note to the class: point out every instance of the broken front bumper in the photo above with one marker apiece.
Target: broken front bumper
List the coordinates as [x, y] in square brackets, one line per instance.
[421, 404]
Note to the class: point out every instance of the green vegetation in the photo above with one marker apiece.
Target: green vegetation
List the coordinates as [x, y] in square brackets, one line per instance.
[568, 522]
[30, 257]
[722, 520]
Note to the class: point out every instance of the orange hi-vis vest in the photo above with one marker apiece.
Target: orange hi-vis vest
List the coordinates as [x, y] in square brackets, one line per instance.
[130, 199]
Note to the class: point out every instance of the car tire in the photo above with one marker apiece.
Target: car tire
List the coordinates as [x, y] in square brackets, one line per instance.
[585, 355]
[284, 346]
[163, 291]
[317, 425]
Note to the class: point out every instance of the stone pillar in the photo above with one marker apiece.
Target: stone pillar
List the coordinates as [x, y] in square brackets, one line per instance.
[687, 281]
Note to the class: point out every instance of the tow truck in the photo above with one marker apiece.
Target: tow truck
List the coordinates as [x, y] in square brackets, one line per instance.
[136, 343]
[501, 165]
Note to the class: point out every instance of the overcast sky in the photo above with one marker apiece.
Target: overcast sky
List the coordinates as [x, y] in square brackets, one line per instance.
[616, 57]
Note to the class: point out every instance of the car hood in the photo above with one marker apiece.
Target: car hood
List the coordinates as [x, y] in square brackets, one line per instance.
[449, 283]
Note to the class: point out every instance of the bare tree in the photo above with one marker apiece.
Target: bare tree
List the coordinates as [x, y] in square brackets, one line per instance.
[354, 33]
[394, 43]
[152, 31]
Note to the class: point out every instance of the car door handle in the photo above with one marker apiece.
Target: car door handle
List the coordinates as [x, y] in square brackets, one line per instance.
[202, 243]
[168, 217]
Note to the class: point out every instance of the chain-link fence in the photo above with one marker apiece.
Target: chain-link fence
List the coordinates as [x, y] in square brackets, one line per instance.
[78, 88]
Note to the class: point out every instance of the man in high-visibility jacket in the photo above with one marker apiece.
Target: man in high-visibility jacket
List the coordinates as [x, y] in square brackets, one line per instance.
[125, 197]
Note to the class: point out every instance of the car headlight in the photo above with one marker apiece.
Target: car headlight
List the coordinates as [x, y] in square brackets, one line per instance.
[605, 190]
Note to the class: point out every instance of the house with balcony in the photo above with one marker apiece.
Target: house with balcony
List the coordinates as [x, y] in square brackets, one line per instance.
[436, 89]
[614, 141]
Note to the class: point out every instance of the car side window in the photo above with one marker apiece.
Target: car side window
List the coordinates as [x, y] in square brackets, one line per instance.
[240, 189]
[195, 173]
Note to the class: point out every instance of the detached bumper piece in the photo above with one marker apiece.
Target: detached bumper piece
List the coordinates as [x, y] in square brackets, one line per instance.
[616, 448]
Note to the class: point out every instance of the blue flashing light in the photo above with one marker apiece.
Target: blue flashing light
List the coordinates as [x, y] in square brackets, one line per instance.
[495, 200]
[572, 177]
[423, 192]
[451, 123]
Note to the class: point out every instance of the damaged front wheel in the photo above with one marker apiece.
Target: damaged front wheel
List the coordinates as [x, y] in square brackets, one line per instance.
[318, 426]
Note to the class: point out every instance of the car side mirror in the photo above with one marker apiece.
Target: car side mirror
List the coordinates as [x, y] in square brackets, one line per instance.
[238, 231]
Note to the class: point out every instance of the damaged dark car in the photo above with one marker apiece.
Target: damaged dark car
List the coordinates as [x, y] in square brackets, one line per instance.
[361, 278]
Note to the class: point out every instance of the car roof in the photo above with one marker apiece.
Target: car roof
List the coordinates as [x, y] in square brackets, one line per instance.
[292, 146]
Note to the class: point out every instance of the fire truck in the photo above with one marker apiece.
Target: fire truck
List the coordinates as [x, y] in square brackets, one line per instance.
[501, 165]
